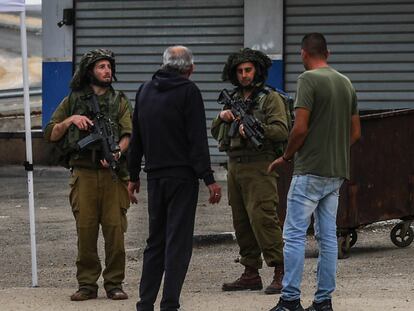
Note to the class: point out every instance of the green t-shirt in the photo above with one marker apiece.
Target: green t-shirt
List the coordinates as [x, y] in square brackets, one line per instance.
[331, 100]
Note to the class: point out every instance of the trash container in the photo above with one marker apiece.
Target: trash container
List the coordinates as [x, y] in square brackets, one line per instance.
[381, 185]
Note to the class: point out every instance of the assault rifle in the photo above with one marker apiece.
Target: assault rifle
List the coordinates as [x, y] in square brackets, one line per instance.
[101, 132]
[242, 112]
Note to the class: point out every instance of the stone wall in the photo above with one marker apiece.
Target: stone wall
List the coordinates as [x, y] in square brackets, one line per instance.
[13, 149]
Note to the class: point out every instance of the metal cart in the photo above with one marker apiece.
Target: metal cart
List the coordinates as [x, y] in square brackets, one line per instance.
[381, 185]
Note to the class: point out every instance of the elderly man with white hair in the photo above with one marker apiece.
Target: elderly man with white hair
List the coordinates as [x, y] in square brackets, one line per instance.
[169, 130]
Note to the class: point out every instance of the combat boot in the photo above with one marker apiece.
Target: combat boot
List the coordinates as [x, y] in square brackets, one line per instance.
[250, 279]
[276, 286]
[84, 294]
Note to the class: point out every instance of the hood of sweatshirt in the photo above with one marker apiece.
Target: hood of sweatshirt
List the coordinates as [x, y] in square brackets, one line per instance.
[166, 80]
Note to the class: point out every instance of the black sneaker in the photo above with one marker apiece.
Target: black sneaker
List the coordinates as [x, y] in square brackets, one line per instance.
[284, 305]
[325, 305]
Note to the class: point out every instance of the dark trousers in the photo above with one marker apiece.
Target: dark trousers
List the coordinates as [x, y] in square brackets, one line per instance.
[171, 207]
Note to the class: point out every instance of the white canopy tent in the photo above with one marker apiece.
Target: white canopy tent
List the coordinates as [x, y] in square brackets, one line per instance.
[19, 6]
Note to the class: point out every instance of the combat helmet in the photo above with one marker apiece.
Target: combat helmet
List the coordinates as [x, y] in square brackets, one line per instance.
[261, 61]
[81, 76]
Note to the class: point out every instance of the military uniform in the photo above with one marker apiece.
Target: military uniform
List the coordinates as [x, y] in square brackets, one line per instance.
[96, 197]
[252, 191]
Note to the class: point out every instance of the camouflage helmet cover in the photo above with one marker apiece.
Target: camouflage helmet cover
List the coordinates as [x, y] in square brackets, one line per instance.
[261, 61]
[81, 78]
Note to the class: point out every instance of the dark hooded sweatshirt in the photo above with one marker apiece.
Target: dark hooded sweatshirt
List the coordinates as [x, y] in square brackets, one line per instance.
[169, 130]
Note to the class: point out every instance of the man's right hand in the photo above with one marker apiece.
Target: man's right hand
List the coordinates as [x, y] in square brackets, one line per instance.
[133, 187]
[226, 115]
[82, 122]
[277, 163]
[59, 130]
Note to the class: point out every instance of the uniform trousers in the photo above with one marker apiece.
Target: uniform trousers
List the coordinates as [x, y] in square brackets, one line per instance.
[254, 199]
[172, 205]
[97, 199]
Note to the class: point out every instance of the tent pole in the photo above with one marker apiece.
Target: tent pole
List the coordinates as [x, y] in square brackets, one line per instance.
[28, 135]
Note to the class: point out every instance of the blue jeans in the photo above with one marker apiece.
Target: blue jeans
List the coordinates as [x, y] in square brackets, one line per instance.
[318, 195]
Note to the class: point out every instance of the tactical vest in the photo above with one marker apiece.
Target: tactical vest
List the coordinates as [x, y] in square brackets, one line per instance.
[79, 103]
[238, 146]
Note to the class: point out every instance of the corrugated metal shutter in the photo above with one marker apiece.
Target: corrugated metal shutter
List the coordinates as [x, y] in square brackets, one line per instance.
[139, 31]
[371, 41]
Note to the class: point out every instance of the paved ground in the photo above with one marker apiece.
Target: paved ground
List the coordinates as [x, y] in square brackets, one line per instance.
[377, 276]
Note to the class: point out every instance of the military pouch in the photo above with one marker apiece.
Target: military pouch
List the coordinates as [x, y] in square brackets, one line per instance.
[236, 143]
[223, 137]
[63, 148]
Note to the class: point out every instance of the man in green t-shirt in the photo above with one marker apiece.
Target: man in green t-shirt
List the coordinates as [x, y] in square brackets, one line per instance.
[97, 196]
[326, 125]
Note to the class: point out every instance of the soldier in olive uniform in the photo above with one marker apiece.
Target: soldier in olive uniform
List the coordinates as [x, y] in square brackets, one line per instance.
[252, 191]
[97, 197]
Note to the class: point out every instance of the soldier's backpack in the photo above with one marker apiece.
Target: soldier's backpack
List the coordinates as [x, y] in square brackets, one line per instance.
[289, 102]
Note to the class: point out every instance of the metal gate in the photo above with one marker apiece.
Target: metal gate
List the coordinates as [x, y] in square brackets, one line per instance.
[371, 41]
[139, 31]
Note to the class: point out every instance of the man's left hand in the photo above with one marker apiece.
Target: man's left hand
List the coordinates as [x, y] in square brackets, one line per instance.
[241, 130]
[215, 193]
[116, 156]
[104, 163]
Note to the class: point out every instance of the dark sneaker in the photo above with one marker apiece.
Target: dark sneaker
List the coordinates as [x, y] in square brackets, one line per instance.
[83, 294]
[249, 280]
[284, 305]
[116, 294]
[325, 305]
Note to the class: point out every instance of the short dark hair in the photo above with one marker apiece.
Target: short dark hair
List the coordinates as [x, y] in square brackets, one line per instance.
[315, 44]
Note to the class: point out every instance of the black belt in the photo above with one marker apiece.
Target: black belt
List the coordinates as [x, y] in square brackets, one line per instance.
[252, 158]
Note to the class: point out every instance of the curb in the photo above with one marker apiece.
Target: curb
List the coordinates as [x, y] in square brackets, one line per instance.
[38, 171]
[57, 171]
[213, 238]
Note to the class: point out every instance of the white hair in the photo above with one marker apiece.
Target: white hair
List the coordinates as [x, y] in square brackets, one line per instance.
[178, 57]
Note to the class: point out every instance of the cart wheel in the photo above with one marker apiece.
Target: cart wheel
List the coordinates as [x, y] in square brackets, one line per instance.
[353, 237]
[344, 245]
[399, 238]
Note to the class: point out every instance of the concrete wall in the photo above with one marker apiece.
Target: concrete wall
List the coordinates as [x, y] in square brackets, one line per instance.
[13, 149]
[263, 30]
[57, 48]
